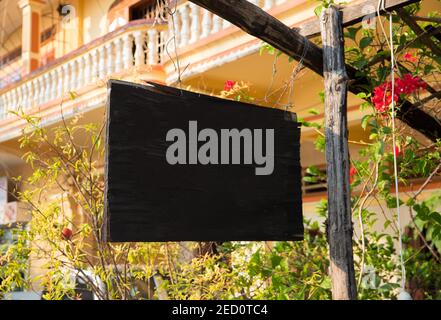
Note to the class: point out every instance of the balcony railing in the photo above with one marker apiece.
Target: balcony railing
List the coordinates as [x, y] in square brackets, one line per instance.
[193, 23]
[136, 44]
[139, 43]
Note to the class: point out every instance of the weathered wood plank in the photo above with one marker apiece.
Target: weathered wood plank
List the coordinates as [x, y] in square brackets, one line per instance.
[262, 25]
[424, 38]
[352, 14]
[339, 222]
[149, 199]
[257, 22]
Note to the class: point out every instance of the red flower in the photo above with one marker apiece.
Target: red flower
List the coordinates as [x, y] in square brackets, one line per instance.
[229, 84]
[352, 172]
[399, 151]
[66, 234]
[409, 57]
[382, 95]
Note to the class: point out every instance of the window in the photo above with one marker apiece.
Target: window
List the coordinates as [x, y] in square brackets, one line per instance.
[148, 9]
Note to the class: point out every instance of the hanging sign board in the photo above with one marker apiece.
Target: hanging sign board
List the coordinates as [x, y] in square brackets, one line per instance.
[182, 166]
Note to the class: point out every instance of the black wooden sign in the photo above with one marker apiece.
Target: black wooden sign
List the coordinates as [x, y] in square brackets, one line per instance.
[182, 166]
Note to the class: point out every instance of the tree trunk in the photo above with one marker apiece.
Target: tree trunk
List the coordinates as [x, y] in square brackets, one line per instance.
[339, 222]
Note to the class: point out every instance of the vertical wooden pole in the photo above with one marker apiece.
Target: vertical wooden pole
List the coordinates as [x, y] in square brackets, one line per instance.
[339, 222]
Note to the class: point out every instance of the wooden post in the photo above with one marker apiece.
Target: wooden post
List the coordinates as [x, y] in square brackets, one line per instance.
[339, 224]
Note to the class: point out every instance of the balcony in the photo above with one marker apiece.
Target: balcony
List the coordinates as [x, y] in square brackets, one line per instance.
[195, 39]
[132, 51]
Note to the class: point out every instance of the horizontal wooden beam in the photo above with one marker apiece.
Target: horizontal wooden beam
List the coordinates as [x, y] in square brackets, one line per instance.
[424, 37]
[353, 14]
[262, 25]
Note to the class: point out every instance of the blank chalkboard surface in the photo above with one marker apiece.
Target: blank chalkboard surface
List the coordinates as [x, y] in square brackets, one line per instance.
[182, 166]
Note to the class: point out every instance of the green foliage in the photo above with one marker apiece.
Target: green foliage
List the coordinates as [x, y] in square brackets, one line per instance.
[66, 174]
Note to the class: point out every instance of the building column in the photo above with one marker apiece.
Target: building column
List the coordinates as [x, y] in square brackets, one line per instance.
[31, 29]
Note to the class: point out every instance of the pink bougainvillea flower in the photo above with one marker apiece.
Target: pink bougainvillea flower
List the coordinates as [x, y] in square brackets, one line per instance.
[229, 84]
[399, 151]
[382, 94]
[409, 57]
[352, 173]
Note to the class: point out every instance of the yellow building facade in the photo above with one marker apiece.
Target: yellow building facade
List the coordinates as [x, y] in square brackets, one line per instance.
[54, 49]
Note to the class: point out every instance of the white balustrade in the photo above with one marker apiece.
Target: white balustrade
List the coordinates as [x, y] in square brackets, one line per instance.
[73, 75]
[6, 102]
[53, 86]
[206, 23]
[268, 4]
[217, 24]
[110, 58]
[195, 28]
[152, 46]
[36, 85]
[25, 96]
[2, 106]
[60, 76]
[185, 25]
[127, 51]
[118, 55]
[87, 69]
[94, 75]
[47, 82]
[102, 63]
[13, 105]
[42, 89]
[139, 48]
[80, 75]
[66, 81]
[30, 89]
[131, 48]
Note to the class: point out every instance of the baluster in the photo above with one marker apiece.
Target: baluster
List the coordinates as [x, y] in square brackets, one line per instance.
[225, 24]
[152, 45]
[47, 91]
[25, 97]
[73, 75]
[36, 96]
[94, 76]
[80, 75]
[19, 98]
[127, 51]
[217, 23]
[139, 48]
[206, 23]
[268, 4]
[2, 106]
[42, 90]
[195, 28]
[162, 43]
[185, 25]
[174, 30]
[118, 54]
[102, 62]
[14, 100]
[60, 77]
[30, 91]
[53, 89]
[7, 102]
[110, 58]
[66, 79]
[87, 69]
